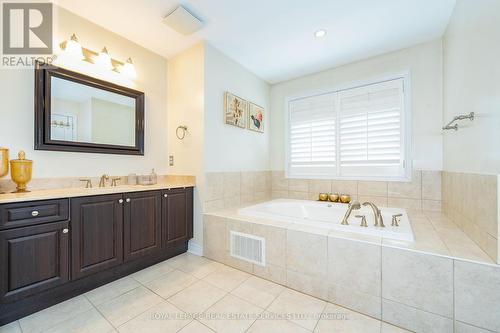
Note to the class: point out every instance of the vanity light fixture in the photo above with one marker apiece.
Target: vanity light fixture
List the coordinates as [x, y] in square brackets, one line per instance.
[320, 33]
[128, 69]
[103, 60]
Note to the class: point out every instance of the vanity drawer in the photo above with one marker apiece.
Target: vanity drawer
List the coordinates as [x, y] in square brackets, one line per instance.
[34, 212]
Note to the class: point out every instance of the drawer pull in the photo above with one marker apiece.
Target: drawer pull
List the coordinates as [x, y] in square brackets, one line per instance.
[65, 230]
[120, 201]
[127, 200]
[165, 195]
[34, 213]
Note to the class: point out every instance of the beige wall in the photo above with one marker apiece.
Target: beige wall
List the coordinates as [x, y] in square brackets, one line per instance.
[17, 115]
[472, 83]
[424, 62]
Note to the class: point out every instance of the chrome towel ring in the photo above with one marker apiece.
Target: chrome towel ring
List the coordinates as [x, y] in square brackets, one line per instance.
[183, 129]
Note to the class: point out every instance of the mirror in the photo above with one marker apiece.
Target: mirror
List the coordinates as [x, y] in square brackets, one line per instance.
[75, 112]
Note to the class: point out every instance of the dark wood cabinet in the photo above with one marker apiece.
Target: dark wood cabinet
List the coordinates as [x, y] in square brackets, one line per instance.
[96, 234]
[177, 219]
[33, 259]
[142, 224]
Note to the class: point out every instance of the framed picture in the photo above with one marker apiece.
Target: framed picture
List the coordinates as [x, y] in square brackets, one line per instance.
[256, 118]
[235, 110]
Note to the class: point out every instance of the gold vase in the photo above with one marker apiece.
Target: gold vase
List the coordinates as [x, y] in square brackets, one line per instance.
[333, 197]
[20, 172]
[4, 162]
[345, 198]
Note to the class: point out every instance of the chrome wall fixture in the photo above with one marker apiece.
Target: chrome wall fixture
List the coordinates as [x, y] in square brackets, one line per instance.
[182, 129]
[450, 125]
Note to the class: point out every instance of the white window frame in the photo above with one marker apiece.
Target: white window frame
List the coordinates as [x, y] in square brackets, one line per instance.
[406, 113]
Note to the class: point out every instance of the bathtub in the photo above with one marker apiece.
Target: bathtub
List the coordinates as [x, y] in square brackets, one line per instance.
[329, 215]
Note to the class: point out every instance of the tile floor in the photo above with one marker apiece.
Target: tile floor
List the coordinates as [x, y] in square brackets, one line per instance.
[193, 294]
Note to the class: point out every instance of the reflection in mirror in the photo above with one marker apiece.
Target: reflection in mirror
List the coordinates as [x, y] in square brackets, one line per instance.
[81, 113]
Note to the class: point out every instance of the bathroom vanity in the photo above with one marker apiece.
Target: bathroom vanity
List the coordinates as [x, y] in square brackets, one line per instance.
[54, 249]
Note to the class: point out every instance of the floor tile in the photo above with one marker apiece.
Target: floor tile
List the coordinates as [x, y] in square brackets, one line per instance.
[226, 278]
[273, 326]
[111, 290]
[171, 283]
[388, 328]
[89, 322]
[161, 318]
[54, 315]
[152, 272]
[295, 304]
[197, 298]
[128, 305]
[338, 319]
[11, 328]
[195, 265]
[231, 315]
[258, 291]
[196, 327]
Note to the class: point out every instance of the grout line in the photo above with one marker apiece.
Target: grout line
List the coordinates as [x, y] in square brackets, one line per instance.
[99, 311]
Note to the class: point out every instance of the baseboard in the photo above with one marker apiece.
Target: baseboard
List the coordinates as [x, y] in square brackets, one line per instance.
[195, 249]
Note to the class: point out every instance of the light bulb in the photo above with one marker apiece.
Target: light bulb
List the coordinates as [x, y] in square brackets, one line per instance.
[320, 33]
[128, 69]
[103, 60]
[73, 49]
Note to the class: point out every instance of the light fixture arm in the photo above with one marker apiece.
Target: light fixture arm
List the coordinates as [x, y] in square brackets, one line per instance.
[450, 125]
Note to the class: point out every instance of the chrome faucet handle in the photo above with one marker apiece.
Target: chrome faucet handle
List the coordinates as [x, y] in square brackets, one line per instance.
[395, 220]
[114, 180]
[102, 182]
[363, 220]
[88, 182]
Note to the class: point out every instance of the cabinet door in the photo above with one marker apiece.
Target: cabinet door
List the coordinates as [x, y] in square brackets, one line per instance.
[142, 224]
[176, 216]
[33, 259]
[96, 233]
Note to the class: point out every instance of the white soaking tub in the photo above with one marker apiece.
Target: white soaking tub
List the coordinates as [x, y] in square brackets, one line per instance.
[329, 215]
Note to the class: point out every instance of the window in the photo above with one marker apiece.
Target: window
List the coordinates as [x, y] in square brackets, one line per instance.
[357, 133]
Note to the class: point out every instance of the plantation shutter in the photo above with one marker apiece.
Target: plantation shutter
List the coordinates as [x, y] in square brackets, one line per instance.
[312, 137]
[371, 140]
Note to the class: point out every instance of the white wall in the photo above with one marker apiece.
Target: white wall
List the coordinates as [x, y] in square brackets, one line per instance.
[472, 83]
[230, 148]
[17, 113]
[424, 62]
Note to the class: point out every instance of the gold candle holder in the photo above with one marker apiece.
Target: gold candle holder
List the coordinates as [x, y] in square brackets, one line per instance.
[20, 172]
[323, 197]
[345, 198]
[333, 197]
[4, 162]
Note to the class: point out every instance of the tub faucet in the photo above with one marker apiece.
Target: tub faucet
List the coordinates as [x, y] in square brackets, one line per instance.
[379, 221]
[102, 182]
[352, 206]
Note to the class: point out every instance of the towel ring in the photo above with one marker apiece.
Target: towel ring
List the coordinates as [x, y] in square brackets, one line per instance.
[183, 134]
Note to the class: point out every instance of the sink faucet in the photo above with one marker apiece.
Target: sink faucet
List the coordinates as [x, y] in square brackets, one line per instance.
[379, 221]
[352, 206]
[102, 182]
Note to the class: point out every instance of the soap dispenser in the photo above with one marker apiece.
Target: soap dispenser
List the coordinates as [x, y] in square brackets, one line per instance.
[153, 177]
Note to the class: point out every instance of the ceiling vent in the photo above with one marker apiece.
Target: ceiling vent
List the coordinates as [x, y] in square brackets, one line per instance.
[182, 21]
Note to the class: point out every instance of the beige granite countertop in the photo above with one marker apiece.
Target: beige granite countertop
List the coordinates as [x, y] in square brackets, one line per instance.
[83, 192]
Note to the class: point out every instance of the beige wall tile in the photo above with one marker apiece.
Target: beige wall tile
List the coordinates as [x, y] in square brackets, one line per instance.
[378, 189]
[353, 322]
[409, 190]
[271, 272]
[298, 185]
[414, 319]
[214, 186]
[279, 182]
[279, 194]
[232, 184]
[419, 280]
[215, 242]
[232, 201]
[405, 203]
[317, 186]
[310, 285]
[431, 205]
[275, 243]
[477, 294]
[262, 181]
[345, 187]
[354, 299]
[298, 195]
[379, 201]
[431, 185]
[213, 205]
[247, 182]
[306, 253]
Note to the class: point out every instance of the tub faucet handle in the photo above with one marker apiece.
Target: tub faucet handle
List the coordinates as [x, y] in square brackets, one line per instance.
[395, 220]
[363, 220]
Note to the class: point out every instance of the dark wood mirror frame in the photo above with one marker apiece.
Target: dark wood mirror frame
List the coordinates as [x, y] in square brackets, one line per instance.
[43, 141]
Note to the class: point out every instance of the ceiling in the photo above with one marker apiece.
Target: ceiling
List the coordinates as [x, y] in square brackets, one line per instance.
[275, 38]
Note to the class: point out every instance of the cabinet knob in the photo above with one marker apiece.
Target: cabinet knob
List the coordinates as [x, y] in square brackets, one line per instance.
[65, 230]
[34, 213]
[165, 195]
[127, 200]
[120, 201]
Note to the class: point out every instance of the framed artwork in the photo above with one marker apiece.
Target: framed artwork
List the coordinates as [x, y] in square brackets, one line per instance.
[235, 110]
[256, 118]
